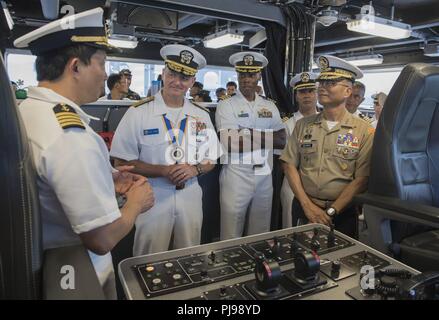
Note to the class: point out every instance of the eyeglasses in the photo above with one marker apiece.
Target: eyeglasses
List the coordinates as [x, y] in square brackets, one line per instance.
[330, 83]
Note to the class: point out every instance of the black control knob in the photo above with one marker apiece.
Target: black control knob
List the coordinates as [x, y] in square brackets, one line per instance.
[331, 236]
[306, 266]
[267, 274]
[335, 268]
[294, 244]
[315, 231]
[223, 291]
[212, 256]
[203, 273]
[275, 249]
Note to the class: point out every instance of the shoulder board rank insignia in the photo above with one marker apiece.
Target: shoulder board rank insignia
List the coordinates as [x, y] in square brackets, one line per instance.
[285, 119]
[365, 118]
[266, 98]
[67, 116]
[201, 107]
[139, 103]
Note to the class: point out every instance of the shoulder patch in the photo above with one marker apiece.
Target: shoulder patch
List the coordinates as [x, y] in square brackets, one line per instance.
[201, 107]
[139, 103]
[67, 116]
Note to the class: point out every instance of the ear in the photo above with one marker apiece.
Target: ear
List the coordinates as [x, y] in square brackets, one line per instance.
[192, 82]
[348, 92]
[72, 66]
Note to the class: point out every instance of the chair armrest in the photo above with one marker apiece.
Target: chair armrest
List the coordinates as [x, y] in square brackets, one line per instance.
[71, 265]
[402, 210]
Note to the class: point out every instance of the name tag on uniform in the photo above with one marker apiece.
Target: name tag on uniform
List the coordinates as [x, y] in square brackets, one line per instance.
[150, 132]
[306, 145]
[243, 115]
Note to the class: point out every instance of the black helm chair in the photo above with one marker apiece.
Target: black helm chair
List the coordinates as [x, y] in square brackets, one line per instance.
[26, 272]
[402, 203]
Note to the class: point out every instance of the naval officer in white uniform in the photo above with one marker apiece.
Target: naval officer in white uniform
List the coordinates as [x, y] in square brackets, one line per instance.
[170, 140]
[246, 187]
[76, 183]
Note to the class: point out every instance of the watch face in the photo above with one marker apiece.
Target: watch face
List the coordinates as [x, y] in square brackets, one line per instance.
[330, 212]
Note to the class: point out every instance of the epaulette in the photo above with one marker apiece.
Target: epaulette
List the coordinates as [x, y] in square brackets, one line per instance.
[146, 100]
[228, 97]
[365, 118]
[201, 107]
[263, 97]
[285, 119]
[67, 116]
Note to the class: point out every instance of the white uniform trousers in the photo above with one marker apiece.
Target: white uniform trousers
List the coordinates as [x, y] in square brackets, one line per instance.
[243, 193]
[175, 212]
[286, 200]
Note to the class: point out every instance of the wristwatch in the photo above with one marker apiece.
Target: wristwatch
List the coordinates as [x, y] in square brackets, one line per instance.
[331, 212]
[199, 169]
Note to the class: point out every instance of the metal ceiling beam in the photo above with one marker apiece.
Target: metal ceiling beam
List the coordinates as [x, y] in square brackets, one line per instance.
[236, 10]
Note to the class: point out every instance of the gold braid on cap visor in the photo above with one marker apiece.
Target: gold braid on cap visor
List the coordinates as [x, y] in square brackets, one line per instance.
[311, 85]
[249, 69]
[335, 73]
[99, 40]
[177, 67]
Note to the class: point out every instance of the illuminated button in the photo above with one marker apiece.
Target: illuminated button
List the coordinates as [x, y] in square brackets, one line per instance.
[149, 269]
[156, 281]
[176, 276]
[169, 265]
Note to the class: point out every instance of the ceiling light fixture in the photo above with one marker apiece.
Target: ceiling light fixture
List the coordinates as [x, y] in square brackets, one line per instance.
[365, 60]
[223, 38]
[123, 41]
[367, 22]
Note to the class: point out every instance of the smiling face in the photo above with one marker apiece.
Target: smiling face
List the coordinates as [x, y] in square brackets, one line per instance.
[176, 84]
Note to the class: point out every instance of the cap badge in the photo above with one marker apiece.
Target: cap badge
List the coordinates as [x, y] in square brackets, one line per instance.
[304, 77]
[248, 60]
[324, 63]
[186, 57]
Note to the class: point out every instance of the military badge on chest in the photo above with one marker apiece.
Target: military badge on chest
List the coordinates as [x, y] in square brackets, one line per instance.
[306, 141]
[198, 129]
[265, 113]
[348, 144]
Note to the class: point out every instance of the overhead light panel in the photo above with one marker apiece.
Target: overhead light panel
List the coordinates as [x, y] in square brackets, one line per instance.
[365, 60]
[223, 38]
[123, 41]
[8, 16]
[370, 24]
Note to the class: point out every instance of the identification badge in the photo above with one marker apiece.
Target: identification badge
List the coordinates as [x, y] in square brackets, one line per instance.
[150, 132]
[243, 115]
